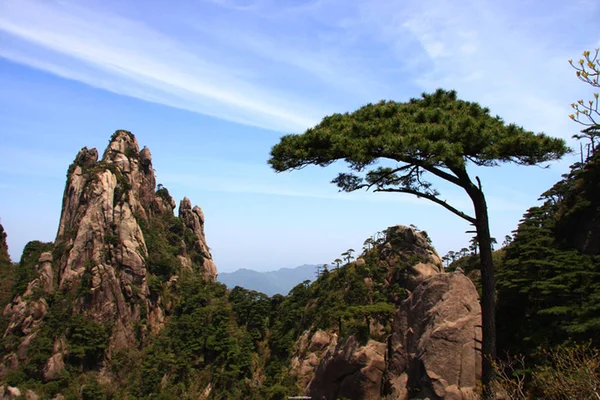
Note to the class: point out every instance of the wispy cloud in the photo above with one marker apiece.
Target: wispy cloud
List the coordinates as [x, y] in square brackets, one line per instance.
[130, 58]
[284, 66]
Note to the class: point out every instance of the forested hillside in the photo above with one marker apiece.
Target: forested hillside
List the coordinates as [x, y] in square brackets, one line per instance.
[549, 284]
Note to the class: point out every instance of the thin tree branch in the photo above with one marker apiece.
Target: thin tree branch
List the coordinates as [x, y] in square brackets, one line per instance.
[392, 172]
[436, 171]
[431, 198]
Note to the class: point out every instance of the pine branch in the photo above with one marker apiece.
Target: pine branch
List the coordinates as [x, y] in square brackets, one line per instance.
[430, 197]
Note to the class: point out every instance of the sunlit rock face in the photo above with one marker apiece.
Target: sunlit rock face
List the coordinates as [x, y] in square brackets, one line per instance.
[101, 259]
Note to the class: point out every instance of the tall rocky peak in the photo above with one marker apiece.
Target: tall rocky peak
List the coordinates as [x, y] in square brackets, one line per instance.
[118, 251]
[409, 256]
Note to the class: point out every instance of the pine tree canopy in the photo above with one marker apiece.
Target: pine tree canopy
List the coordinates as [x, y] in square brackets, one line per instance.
[437, 133]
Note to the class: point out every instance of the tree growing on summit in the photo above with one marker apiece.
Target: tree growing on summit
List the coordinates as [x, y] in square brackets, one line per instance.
[437, 134]
[347, 255]
[369, 244]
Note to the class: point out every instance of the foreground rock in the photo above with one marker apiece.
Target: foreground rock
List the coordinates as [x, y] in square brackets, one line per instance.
[432, 351]
[434, 348]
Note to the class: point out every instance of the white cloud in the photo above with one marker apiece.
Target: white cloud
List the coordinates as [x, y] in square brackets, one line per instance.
[129, 58]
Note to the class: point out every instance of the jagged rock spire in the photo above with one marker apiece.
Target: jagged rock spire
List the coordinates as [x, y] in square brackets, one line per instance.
[111, 212]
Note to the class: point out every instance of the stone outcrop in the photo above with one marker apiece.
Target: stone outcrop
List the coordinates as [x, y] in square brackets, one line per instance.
[101, 256]
[26, 312]
[406, 245]
[350, 371]
[193, 218]
[432, 351]
[310, 351]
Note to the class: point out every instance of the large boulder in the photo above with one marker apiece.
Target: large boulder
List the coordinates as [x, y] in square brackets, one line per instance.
[435, 345]
[351, 370]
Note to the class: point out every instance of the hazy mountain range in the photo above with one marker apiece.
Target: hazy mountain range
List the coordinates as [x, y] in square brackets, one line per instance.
[271, 282]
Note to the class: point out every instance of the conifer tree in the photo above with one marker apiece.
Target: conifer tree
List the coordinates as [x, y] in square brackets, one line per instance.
[437, 134]
[549, 287]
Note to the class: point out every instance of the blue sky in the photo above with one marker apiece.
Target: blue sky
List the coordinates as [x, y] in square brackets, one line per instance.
[210, 86]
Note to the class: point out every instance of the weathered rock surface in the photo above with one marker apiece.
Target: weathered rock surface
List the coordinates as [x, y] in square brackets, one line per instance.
[101, 254]
[434, 350]
[310, 350]
[27, 312]
[193, 218]
[406, 245]
[9, 392]
[350, 371]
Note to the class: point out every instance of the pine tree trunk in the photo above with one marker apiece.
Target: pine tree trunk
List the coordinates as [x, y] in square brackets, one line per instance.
[488, 297]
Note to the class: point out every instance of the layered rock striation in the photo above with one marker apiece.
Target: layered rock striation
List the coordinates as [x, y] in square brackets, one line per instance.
[118, 249]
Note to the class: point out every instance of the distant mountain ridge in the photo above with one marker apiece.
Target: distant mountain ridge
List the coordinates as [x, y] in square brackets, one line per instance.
[272, 282]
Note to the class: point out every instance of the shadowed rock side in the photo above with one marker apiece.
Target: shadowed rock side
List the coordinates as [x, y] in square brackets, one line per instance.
[434, 350]
[431, 352]
[101, 258]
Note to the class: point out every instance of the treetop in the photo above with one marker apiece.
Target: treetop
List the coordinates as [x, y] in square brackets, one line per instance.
[434, 131]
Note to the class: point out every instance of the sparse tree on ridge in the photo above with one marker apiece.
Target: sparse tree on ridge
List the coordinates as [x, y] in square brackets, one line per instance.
[348, 255]
[474, 244]
[462, 253]
[437, 134]
[368, 244]
[507, 240]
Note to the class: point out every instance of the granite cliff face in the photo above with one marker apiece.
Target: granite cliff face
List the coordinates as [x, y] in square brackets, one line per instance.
[118, 250]
[432, 349]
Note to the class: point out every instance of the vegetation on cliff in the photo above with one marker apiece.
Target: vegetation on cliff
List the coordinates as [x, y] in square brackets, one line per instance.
[436, 134]
[549, 285]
